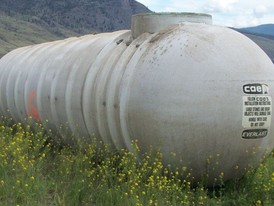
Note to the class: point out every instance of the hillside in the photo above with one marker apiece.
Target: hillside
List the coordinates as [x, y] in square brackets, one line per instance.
[82, 16]
[266, 42]
[264, 29]
[25, 22]
[16, 33]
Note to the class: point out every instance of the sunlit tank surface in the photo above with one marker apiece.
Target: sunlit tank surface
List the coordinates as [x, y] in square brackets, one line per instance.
[200, 93]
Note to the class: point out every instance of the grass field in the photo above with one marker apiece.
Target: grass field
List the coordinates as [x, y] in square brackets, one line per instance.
[36, 171]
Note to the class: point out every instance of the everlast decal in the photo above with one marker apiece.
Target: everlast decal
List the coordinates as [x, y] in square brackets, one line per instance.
[254, 133]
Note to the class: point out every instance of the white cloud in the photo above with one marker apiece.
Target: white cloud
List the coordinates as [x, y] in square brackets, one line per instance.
[170, 9]
[217, 6]
[260, 11]
[155, 5]
[236, 13]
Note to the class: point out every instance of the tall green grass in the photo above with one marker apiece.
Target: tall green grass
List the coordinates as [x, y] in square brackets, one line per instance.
[36, 171]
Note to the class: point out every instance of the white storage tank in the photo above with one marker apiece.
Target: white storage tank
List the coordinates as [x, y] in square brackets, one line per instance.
[201, 93]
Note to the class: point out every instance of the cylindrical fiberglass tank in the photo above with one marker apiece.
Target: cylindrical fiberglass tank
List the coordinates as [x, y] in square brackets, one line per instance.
[201, 93]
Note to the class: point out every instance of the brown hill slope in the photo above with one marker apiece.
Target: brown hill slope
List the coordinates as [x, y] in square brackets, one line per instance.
[25, 22]
[82, 16]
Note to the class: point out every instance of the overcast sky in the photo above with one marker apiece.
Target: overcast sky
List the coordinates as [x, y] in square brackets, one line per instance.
[236, 13]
